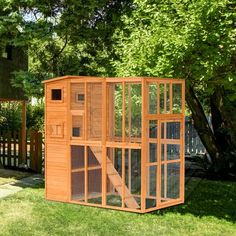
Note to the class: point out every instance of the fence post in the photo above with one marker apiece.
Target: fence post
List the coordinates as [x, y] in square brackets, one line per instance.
[23, 133]
[38, 151]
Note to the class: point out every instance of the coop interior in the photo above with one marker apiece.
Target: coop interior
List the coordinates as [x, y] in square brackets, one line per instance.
[144, 144]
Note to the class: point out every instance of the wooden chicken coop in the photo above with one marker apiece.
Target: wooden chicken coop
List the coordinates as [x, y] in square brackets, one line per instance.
[115, 142]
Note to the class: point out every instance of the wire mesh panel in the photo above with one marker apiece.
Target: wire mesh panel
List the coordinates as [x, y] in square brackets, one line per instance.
[118, 110]
[124, 112]
[94, 111]
[170, 181]
[132, 178]
[177, 98]
[164, 172]
[77, 173]
[115, 181]
[133, 118]
[170, 159]
[77, 96]
[95, 186]
[94, 175]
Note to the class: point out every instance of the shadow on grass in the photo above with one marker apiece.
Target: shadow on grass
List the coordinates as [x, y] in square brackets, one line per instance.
[22, 179]
[208, 198]
[34, 181]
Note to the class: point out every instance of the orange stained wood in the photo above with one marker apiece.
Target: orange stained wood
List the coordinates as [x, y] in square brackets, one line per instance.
[93, 153]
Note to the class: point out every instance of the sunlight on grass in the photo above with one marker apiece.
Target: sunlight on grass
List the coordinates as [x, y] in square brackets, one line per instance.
[209, 211]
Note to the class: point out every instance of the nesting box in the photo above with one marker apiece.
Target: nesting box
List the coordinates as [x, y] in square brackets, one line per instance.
[115, 142]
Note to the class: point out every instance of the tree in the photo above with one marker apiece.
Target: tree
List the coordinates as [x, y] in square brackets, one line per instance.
[194, 40]
[63, 37]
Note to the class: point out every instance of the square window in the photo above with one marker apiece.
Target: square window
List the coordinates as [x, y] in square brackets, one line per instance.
[56, 94]
[79, 97]
[76, 131]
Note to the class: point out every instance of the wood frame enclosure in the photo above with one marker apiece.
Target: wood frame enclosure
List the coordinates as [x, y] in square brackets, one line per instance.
[115, 142]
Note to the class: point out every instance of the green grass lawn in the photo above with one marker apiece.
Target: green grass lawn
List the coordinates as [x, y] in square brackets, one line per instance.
[210, 209]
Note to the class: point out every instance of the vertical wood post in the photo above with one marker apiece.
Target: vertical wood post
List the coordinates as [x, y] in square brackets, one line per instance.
[23, 132]
[104, 136]
[182, 146]
[144, 146]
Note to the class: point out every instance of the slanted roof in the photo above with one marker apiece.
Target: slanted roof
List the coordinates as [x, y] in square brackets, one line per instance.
[111, 79]
[70, 77]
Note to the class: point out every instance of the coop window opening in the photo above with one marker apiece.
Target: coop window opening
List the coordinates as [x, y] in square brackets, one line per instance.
[56, 94]
[77, 126]
[80, 97]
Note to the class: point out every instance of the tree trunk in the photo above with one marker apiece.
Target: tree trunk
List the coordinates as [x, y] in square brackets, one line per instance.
[201, 124]
[223, 120]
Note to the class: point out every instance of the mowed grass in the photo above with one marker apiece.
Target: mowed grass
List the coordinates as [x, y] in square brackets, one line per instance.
[8, 176]
[210, 209]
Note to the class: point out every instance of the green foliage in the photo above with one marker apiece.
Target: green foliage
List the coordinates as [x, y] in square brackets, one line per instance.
[64, 37]
[35, 117]
[187, 39]
[10, 116]
[11, 113]
[30, 83]
[194, 40]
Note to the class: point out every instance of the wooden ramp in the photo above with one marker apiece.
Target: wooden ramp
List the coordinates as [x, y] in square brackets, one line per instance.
[115, 179]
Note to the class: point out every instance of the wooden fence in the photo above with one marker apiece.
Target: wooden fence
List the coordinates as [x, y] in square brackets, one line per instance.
[11, 150]
[193, 144]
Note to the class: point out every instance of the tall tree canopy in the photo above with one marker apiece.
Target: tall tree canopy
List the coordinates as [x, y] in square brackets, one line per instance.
[194, 40]
[63, 37]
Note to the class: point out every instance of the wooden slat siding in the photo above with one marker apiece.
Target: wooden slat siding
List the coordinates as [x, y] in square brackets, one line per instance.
[14, 147]
[3, 148]
[35, 151]
[8, 140]
[56, 147]
[36, 138]
[20, 149]
[38, 151]
[10, 149]
[31, 150]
